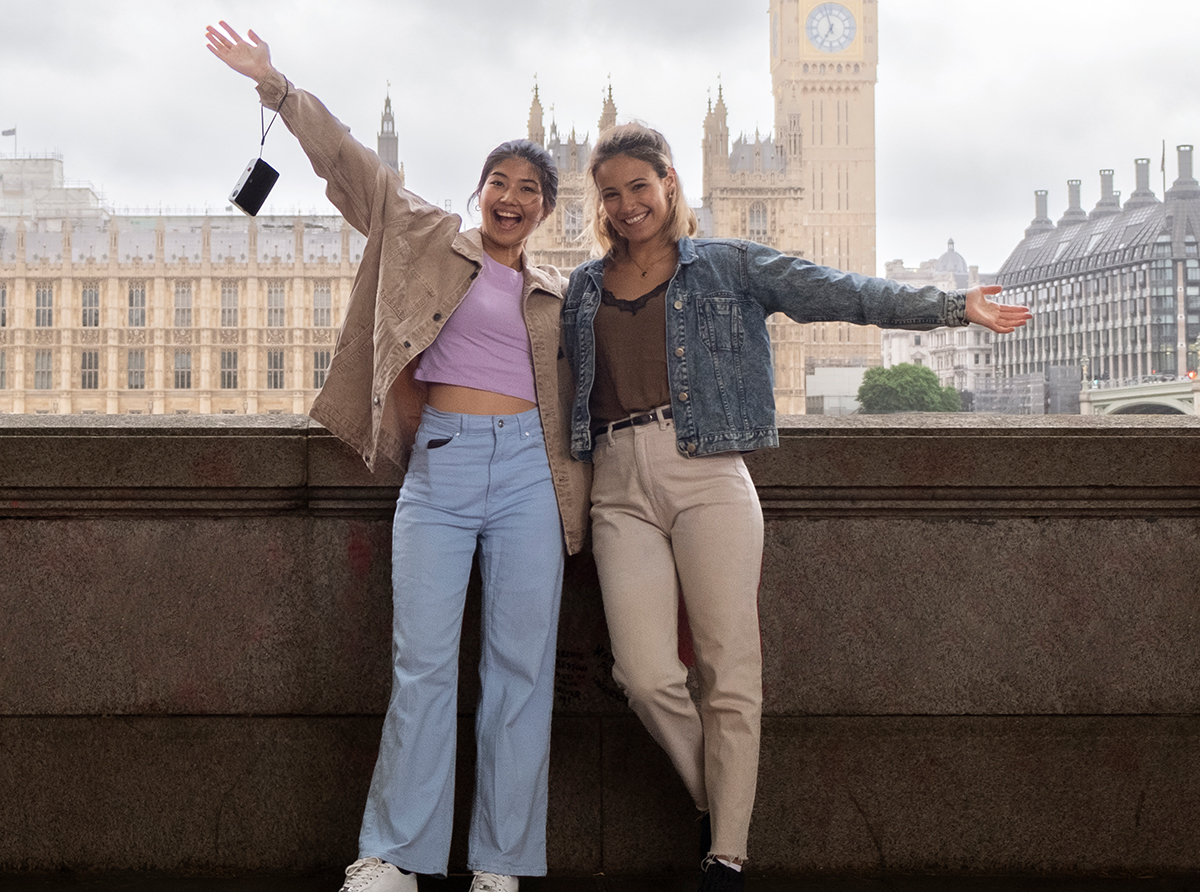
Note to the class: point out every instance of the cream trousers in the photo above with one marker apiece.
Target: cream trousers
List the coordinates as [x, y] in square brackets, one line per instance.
[665, 526]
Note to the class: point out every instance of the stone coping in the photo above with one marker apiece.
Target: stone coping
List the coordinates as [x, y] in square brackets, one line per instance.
[922, 463]
[789, 424]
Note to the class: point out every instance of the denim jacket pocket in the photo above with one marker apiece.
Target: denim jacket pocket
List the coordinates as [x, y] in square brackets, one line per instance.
[720, 322]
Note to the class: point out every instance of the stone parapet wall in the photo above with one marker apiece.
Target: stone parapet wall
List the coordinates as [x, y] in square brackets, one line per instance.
[981, 640]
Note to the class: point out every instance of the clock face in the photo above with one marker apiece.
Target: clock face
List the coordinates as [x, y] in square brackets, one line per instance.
[830, 27]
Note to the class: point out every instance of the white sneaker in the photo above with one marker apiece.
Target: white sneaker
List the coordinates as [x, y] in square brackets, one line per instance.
[373, 875]
[493, 882]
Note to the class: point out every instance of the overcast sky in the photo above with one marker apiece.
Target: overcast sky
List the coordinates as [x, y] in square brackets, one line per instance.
[978, 103]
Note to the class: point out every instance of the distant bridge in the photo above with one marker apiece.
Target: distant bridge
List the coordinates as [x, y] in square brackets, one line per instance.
[1147, 396]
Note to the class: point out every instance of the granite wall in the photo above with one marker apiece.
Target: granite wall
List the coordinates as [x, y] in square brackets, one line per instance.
[981, 641]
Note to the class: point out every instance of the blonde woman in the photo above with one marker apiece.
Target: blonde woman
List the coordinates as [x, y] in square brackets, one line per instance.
[668, 340]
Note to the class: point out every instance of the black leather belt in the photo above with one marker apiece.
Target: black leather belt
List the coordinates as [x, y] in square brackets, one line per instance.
[635, 420]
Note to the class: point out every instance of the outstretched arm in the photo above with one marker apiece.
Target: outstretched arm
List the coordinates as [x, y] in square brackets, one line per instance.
[251, 59]
[1000, 318]
[349, 169]
[355, 177]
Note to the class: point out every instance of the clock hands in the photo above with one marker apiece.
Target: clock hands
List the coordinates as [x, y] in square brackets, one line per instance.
[831, 27]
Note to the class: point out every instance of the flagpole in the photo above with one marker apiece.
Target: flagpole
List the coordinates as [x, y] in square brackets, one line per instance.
[1164, 170]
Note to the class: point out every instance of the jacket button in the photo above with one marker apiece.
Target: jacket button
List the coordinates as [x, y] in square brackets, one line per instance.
[377, 401]
[678, 351]
[683, 396]
[475, 274]
[679, 305]
[691, 448]
[407, 344]
[437, 317]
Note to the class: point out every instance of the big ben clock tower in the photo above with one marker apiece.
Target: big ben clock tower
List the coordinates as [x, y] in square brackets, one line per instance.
[823, 69]
[824, 57]
[809, 188]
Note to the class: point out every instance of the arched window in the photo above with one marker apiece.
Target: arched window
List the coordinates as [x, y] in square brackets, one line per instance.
[757, 222]
[572, 221]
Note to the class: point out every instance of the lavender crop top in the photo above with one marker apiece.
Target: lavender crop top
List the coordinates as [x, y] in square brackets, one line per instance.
[484, 343]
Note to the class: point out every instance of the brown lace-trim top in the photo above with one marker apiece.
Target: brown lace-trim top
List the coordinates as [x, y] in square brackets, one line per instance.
[631, 356]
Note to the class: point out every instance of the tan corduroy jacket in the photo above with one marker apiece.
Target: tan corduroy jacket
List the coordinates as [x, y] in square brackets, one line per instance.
[415, 269]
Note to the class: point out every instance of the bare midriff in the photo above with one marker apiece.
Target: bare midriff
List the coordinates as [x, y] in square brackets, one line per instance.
[469, 401]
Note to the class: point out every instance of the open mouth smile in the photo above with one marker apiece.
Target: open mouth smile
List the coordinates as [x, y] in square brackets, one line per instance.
[507, 219]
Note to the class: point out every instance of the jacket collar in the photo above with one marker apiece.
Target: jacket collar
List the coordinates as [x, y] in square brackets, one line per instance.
[537, 277]
[687, 250]
[469, 243]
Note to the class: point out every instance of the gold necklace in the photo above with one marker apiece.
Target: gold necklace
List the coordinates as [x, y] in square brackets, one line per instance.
[646, 269]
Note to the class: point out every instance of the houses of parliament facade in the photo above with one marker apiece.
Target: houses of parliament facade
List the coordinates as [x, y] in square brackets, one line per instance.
[160, 314]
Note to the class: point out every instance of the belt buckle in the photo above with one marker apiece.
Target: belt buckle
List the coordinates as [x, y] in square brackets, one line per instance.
[658, 413]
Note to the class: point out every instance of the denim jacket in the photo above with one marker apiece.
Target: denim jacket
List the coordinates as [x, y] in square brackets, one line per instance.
[718, 350]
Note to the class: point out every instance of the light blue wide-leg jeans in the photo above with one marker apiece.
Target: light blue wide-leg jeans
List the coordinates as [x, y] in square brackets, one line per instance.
[472, 480]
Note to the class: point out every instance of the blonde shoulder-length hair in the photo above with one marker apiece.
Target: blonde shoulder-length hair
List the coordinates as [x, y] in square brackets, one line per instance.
[644, 144]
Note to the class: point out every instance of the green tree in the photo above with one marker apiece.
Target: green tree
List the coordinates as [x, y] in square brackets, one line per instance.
[905, 388]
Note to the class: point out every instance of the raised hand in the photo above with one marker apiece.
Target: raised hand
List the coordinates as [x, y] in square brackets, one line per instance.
[1000, 318]
[251, 59]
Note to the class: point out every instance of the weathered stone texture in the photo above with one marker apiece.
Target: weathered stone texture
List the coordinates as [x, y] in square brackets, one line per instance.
[981, 641]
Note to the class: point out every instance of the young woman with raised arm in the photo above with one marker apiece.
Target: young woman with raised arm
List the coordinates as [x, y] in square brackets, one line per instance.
[449, 365]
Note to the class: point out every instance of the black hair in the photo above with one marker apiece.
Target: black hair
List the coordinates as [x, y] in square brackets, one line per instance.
[535, 154]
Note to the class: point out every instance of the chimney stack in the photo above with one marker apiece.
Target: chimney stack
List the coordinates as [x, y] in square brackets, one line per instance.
[1041, 221]
[1110, 202]
[1075, 213]
[1185, 186]
[1142, 196]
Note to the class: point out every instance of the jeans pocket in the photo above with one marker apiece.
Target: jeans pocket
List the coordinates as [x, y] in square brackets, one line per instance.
[438, 443]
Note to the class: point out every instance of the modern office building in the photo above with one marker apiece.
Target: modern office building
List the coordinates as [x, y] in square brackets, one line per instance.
[1114, 292]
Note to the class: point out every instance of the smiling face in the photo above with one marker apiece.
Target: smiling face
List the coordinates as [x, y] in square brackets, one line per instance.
[511, 203]
[636, 200]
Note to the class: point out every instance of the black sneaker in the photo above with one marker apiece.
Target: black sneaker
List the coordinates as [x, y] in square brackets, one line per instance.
[718, 877]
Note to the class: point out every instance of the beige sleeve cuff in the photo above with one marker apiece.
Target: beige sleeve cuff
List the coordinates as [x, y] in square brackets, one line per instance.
[273, 89]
